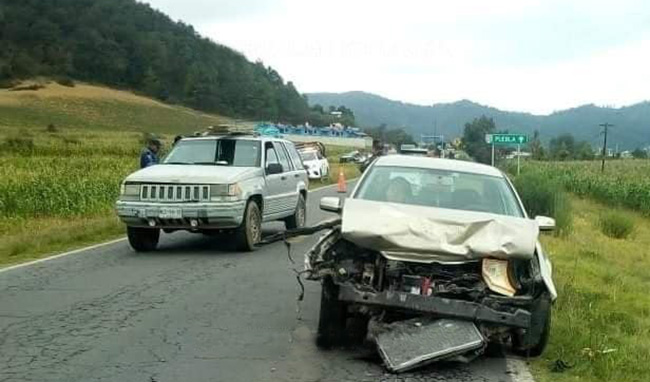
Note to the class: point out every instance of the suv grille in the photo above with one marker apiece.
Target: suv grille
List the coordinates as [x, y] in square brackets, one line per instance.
[174, 192]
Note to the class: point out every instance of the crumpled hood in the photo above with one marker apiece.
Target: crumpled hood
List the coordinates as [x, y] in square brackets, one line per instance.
[312, 163]
[192, 174]
[428, 234]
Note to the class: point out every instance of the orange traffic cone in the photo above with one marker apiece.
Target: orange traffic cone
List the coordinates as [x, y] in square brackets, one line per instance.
[343, 188]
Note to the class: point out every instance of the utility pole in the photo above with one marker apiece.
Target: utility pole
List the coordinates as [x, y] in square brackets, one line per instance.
[604, 126]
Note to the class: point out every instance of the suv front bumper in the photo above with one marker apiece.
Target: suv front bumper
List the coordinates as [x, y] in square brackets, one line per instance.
[212, 215]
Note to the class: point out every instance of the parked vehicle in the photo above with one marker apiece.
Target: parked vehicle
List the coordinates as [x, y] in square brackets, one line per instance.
[207, 184]
[316, 163]
[435, 249]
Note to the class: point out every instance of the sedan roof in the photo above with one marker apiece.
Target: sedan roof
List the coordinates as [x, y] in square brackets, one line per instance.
[438, 164]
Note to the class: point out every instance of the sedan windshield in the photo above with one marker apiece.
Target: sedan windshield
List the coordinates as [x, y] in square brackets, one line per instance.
[308, 156]
[440, 188]
[223, 152]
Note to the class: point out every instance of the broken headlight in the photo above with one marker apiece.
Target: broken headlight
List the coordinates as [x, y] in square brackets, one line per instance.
[497, 276]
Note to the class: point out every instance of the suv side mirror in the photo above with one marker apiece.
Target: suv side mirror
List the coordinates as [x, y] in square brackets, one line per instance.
[545, 223]
[331, 204]
[274, 168]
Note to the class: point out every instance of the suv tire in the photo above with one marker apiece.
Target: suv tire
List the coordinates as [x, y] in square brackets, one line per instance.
[143, 239]
[332, 317]
[299, 217]
[250, 231]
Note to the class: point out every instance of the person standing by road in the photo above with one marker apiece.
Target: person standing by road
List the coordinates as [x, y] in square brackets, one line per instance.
[149, 156]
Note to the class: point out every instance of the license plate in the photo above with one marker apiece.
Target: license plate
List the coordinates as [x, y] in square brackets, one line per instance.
[170, 213]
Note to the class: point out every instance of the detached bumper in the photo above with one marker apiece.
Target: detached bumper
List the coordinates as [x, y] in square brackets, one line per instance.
[180, 215]
[443, 307]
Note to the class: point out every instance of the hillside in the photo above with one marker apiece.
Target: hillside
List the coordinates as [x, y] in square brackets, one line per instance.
[94, 108]
[127, 44]
[632, 123]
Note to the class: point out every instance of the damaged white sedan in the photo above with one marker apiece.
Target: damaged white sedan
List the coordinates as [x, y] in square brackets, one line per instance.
[433, 259]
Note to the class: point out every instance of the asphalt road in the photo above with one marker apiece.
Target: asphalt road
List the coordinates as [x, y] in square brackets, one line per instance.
[195, 310]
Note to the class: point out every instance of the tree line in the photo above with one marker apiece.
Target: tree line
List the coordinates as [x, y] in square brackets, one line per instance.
[562, 147]
[126, 44]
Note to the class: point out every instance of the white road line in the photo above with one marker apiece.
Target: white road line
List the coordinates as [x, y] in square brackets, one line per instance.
[54, 257]
[61, 255]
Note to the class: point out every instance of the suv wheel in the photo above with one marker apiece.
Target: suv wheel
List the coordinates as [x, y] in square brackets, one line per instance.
[143, 239]
[250, 231]
[534, 340]
[299, 217]
[332, 318]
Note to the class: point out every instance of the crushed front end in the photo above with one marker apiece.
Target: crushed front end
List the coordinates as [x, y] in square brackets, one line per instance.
[498, 297]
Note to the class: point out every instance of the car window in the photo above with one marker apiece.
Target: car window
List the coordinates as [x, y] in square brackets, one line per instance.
[282, 156]
[439, 188]
[271, 156]
[295, 157]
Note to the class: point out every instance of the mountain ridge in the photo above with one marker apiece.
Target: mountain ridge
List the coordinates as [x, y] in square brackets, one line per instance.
[632, 122]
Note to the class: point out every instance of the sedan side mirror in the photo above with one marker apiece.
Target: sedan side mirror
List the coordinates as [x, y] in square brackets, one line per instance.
[331, 204]
[274, 168]
[545, 223]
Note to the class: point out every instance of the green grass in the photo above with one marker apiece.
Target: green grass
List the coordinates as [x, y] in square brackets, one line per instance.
[601, 322]
[616, 225]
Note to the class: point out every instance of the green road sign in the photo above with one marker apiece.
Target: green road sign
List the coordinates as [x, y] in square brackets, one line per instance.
[506, 139]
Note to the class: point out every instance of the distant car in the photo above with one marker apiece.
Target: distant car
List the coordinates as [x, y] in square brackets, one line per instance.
[315, 163]
[350, 157]
[216, 183]
[441, 242]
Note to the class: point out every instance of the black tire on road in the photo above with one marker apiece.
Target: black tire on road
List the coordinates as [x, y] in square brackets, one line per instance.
[332, 318]
[533, 342]
[143, 239]
[299, 217]
[250, 231]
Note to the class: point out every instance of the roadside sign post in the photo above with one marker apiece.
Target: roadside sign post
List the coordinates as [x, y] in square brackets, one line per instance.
[505, 140]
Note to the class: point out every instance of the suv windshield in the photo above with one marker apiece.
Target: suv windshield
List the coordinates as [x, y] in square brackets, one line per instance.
[223, 152]
[440, 188]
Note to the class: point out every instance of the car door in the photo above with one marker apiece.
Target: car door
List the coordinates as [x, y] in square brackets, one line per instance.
[289, 197]
[274, 183]
[300, 178]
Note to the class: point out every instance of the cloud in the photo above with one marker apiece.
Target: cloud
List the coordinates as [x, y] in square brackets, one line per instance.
[528, 55]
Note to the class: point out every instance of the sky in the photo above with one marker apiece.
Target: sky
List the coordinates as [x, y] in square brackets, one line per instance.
[518, 55]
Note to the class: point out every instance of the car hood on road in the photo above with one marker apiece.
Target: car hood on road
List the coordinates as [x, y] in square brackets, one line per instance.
[428, 234]
[193, 174]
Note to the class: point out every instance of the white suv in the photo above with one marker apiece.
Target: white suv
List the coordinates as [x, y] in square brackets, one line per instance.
[216, 183]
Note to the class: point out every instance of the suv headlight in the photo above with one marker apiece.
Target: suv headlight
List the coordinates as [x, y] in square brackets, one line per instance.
[130, 191]
[219, 192]
[497, 276]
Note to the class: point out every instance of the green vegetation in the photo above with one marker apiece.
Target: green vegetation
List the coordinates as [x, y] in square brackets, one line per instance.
[543, 196]
[625, 183]
[127, 44]
[601, 322]
[616, 225]
[602, 316]
[474, 139]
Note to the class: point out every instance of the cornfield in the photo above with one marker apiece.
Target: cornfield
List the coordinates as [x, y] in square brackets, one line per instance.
[624, 183]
